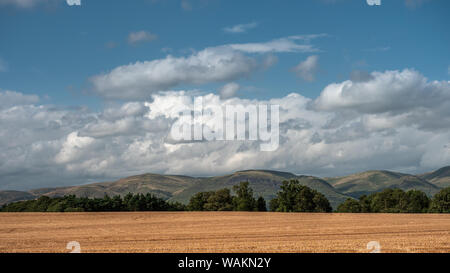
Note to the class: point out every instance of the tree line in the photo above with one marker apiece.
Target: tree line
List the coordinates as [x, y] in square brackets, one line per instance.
[398, 201]
[71, 203]
[292, 197]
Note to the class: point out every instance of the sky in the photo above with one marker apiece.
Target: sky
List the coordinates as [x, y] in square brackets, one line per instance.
[90, 89]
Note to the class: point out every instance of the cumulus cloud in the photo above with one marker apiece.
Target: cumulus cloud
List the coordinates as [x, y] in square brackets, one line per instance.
[308, 68]
[396, 120]
[241, 28]
[360, 76]
[389, 91]
[229, 90]
[140, 36]
[141, 79]
[214, 64]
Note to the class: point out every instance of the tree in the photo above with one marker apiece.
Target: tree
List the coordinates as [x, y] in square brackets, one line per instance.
[417, 201]
[71, 203]
[441, 201]
[389, 200]
[365, 202]
[350, 206]
[244, 200]
[261, 204]
[198, 201]
[221, 200]
[295, 197]
[274, 204]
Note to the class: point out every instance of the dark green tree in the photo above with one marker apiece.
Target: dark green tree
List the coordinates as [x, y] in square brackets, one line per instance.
[198, 201]
[221, 200]
[418, 201]
[350, 206]
[295, 197]
[261, 204]
[441, 201]
[244, 200]
[365, 202]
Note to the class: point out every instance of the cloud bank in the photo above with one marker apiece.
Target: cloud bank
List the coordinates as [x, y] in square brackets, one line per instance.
[396, 120]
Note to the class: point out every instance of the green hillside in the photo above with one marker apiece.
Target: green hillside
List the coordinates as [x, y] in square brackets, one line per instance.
[13, 196]
[369, 182]
[440, 178]
[264, 183]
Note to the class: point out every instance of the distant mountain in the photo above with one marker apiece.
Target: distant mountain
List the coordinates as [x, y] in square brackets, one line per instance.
[164, 186]
[265, 183]
[369, 182]
[440, 178]
[181, 188]
[13, 196]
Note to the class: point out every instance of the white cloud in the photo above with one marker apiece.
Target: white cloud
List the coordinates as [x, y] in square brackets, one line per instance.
[389, 91]
[229, 90]
[241, 28]
[73, 147]
[395, 120]
[287, 44]
[12, 98]
[141, 36]
[141, 79]
[214, 64]
[73, 2]
[308, 68]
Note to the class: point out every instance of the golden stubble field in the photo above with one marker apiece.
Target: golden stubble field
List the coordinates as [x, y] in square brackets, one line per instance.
[223, 232]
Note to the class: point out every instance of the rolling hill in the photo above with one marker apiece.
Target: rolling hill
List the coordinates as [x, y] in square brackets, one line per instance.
[369, 182]
[440, 178]
[13, 196]
[181, 188]
[264, 183]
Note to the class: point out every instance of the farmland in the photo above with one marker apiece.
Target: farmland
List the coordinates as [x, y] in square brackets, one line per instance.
[223, 232]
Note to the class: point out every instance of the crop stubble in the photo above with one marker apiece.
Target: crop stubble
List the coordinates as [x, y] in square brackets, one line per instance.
[223, 232]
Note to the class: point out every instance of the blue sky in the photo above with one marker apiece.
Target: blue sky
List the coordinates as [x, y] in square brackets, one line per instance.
[53, 49]
[89, 92]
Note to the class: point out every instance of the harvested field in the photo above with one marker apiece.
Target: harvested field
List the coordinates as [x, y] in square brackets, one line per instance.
[223, 232]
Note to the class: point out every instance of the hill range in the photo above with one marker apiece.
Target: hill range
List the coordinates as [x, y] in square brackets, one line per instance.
[264, 183]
